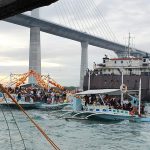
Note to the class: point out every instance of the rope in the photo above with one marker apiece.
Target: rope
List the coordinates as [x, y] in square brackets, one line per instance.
[36, 125]
[15, 122]
[8, 129]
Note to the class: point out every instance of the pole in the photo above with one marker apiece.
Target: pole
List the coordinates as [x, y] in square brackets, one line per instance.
[89, 80]
[139, 110]
[122, 92]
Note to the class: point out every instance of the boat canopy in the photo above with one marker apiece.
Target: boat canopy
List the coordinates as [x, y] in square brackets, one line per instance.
[100, 91]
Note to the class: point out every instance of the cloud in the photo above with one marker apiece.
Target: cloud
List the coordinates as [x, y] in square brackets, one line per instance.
[61, 57]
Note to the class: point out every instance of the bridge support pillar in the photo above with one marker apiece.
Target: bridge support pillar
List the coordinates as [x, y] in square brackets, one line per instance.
[84, 62]
[35, 48]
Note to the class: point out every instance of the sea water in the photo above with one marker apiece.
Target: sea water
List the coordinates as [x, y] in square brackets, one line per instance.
[70, 134]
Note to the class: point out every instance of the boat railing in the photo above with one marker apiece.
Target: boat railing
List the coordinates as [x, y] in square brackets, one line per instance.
[106, 109]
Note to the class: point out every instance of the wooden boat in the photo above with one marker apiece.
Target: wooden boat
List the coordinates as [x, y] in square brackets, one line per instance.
[101, 112]
[6, 102]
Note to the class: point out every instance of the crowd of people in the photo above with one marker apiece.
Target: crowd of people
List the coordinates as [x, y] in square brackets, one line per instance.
[37, 94]
[130, 104]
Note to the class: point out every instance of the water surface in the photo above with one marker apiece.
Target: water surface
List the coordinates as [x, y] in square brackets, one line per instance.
[71, 135]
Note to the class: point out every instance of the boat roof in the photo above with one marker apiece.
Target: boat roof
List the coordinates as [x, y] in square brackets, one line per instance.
[98, 91]
[126, 58]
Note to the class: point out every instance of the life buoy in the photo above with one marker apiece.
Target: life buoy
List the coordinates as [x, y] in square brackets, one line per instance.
[123, 88]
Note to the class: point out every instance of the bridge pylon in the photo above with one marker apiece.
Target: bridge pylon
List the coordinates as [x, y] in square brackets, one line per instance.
[35, 48]
[84, 62]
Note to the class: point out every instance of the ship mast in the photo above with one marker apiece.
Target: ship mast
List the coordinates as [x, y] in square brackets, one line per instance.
[129, 38]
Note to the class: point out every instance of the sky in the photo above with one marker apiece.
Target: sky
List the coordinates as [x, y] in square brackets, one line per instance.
[110, 19]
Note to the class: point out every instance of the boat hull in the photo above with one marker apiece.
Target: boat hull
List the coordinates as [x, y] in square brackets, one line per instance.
[23, 105]
[60, 106]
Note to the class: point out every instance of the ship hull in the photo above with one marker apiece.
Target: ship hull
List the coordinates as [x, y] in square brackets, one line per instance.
[102, 81]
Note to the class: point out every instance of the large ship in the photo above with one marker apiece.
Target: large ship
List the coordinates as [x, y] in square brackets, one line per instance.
[108, 74]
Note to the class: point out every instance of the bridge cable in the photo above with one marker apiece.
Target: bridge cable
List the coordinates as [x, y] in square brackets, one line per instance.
[79, 17]
[70, 12]
[64, 11]
[104, 21]
[86, 17]
[76, 16]
[90, 16]
[102, 25]
[60, 11]
[35, 124]
[105, 24]
[58, 14]
[15, 121]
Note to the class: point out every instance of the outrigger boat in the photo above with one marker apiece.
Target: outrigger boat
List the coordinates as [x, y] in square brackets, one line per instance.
[102, 112]
[6, 102]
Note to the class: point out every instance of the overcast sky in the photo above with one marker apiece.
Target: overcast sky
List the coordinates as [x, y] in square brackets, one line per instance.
[61, 57]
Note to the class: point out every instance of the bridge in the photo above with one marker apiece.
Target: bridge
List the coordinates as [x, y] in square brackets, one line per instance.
[58, 30]
[84, 38]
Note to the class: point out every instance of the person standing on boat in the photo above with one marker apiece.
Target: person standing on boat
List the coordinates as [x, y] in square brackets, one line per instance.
[86, 98]
[19, 96]
[53, 97]
[93, 98]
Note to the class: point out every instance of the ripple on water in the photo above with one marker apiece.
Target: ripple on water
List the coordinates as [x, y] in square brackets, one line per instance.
[74, 135]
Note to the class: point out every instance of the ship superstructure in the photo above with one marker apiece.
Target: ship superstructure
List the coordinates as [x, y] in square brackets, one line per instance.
[108, 74]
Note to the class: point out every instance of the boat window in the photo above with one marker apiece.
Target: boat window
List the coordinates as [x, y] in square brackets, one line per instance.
[104, 109]
[91, 109]
[122, 62]
[97, 109]
[115, 62]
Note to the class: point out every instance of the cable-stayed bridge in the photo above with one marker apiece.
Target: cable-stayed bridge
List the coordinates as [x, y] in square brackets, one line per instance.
[59, 30]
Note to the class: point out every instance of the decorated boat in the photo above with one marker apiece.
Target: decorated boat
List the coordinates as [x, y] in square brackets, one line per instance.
[104, 112]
